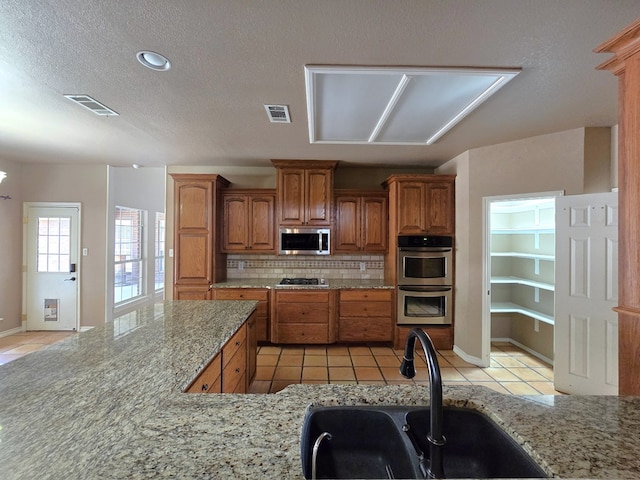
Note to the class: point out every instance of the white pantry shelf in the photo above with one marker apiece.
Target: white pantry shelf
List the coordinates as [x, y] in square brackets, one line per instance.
[508, 307]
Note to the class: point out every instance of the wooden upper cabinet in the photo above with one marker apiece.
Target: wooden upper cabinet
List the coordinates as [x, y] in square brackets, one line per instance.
[423, 204]
[197, 219]
[304, 192]
[249, 221]
[360, 221]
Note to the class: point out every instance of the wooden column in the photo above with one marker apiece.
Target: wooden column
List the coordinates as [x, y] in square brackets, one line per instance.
[625, 64]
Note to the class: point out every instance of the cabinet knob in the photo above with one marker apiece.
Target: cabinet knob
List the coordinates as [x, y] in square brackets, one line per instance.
[237, 344]
[237, 370]
[205, 387]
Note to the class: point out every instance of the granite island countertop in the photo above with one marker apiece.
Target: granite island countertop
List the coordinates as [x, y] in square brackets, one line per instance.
[107, 404]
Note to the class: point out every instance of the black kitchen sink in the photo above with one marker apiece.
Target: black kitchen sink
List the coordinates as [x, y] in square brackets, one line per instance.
[388, 442]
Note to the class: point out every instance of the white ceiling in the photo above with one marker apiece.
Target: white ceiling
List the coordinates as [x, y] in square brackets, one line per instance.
[230, 57]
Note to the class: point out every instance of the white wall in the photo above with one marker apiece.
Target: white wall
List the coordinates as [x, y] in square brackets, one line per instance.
[544, 163]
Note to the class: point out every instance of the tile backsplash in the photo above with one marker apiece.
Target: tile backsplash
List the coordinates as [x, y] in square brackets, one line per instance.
[351, 267]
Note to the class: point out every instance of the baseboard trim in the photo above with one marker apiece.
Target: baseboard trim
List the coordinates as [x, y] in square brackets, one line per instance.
[12, 331]
[468, 358]
[525, 348]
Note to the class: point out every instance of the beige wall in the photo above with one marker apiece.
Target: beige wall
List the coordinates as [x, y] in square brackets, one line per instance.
[11, 247]
[538, 164]
[86, 184]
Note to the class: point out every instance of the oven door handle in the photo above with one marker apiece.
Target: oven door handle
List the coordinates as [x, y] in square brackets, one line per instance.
[426, 249]
[424, 289]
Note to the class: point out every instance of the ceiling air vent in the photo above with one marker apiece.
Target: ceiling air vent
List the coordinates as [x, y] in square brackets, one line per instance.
[91, 104]
[278, 113]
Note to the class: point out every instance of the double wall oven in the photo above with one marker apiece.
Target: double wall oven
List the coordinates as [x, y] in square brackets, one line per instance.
[425, 280]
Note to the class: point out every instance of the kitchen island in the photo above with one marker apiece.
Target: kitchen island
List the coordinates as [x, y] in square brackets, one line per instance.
[108, 404]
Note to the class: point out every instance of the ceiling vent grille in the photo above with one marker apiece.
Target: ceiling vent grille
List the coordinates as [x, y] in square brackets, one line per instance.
[92, 104]
[278, 113]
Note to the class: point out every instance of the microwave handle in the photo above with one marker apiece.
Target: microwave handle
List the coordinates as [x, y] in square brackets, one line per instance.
[424, 289]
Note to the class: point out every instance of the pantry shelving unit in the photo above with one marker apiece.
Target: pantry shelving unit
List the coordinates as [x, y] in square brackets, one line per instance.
[523, 258]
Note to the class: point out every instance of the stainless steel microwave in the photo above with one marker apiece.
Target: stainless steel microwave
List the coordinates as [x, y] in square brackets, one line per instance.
[304, 241]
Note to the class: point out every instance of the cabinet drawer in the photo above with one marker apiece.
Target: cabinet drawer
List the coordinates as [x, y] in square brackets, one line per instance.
[241, 294]
[303, 313]
[300, 296]
[365, 295]
[233, 345]
[235, 368]
[362, 309]
[208, 378]
[303, 333]
[365, 330]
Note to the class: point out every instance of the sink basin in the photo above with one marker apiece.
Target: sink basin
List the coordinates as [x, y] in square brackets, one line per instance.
[386, 442]
[476, 447]
[365, 443]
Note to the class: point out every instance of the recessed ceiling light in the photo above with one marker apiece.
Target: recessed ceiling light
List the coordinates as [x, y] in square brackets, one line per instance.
[153, 60]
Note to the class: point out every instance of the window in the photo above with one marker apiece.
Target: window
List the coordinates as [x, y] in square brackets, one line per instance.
[159, 252]
[54, 244]
[129, 261]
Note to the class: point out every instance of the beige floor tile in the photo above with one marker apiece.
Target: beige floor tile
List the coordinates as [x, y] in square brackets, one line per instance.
[545, 388]
[265, 372]
[269, 350]
[292, 351]
[460, 363]
[337, 350]
[290, 360]
[287, 373]
[278, 385]
[315, 373]
[383, 351]
[344, 382]
[403, 381]
[390, 373]
[520, 388]
[368, 373]
[528, 375]
[451, 375]
[315, 350]
[509, 362]
[422, 374]
[475, 374]
[546, 372]
[371, 382]
[493, 386]
[447, 353]
[388, 361]
[315, 361]
[260, 386]
[363, 361]
[341, 374]
[532, 361]
[501, 374]
[267, 359]
[339, 361]
[359, 350]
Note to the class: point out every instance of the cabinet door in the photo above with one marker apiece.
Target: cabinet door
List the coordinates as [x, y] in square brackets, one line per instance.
[261, 223]
[193, 232]
[374, 224]
[185, 292]
[348, 224]
[291, 196]
[440, 205]
[318, 196]
[411, 205]
[236, 215]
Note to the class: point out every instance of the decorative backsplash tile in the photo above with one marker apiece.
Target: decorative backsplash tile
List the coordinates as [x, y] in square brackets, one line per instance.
[366, 267]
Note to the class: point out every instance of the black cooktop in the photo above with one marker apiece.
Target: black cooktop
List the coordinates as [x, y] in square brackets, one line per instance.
[299, 281]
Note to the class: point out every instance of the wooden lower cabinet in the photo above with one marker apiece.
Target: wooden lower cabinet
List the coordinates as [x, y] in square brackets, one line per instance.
[441, 336]
[191, 293]
[261, 295]
[233, 369]
[365, 315]
[302, 316]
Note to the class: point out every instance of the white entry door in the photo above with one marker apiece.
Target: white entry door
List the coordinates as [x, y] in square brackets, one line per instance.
[586, 327]
[52, 267]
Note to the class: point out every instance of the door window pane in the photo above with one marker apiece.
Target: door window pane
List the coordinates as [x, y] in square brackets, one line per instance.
[54, 244]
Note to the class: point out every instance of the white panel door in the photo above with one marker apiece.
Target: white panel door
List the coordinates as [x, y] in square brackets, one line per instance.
[52, 268]
[586, 327]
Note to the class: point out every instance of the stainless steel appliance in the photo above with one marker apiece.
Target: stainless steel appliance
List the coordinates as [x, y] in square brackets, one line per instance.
[304, 241]
[302, 282]
[425, 280]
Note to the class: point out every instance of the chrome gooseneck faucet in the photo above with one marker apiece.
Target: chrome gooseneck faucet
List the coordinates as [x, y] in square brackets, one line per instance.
[408, 370]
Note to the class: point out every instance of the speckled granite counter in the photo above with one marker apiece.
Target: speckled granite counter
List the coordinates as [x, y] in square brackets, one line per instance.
[107, 405]
[331, 283]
